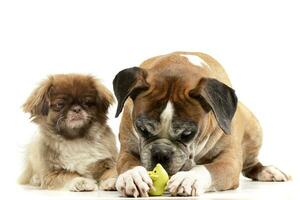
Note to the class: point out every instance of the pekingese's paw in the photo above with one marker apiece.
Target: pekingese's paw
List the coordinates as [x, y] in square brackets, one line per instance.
[134, 182]
[81, 184]
[108, 184]
[190, 183]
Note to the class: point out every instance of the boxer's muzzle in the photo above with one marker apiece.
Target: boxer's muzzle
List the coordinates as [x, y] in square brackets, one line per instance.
[172, 156]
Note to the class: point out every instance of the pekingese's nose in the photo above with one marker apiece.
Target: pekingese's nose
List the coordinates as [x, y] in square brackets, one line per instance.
[76, 109]
[161, 153]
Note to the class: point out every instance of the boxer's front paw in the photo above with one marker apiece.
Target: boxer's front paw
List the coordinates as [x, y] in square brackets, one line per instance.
[134, 182]
[190, 183]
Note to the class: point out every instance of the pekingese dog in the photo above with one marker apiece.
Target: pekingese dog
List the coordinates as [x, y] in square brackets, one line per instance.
[74, 149]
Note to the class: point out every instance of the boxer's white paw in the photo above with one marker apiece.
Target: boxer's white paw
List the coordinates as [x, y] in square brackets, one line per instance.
[81, 184]
[134, 182]
[271, 173]
[190, 183]
[108, 184]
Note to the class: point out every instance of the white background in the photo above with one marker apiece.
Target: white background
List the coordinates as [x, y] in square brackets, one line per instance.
[256, 41]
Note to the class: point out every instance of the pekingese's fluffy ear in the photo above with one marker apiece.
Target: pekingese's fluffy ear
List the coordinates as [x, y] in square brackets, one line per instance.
[37, 103]
[105, 96]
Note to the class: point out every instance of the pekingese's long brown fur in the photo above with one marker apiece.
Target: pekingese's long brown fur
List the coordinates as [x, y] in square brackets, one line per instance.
[74, 149]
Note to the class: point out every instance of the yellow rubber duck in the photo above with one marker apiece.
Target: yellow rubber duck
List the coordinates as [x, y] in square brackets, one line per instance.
[160, 179]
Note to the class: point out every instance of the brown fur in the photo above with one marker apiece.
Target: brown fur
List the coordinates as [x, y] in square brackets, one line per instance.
[61, 153]
[171, 77]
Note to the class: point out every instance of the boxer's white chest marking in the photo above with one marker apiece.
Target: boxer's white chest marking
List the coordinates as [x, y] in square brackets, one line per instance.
[166, 117]
[195, 60]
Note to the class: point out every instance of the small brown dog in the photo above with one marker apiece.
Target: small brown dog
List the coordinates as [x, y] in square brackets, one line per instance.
[74, 147]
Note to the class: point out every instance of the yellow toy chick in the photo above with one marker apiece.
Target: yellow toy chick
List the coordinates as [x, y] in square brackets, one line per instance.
[160, 179]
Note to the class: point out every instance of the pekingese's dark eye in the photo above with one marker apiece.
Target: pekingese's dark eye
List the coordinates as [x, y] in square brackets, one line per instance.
[58, 105]
[89, 102]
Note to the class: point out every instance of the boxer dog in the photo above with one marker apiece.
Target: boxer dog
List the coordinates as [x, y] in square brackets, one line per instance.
[181, 111]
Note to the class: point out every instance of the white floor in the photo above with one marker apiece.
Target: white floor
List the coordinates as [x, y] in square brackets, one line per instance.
[247, 190]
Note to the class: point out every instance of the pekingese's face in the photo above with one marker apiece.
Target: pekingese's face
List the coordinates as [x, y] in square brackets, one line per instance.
[69, 104]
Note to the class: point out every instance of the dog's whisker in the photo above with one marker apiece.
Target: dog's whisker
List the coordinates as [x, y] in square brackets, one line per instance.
[58, 122]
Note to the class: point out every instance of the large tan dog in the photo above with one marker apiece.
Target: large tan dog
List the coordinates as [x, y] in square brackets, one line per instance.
[183, 113]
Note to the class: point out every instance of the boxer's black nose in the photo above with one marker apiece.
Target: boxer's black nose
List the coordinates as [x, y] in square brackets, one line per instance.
[161, 154]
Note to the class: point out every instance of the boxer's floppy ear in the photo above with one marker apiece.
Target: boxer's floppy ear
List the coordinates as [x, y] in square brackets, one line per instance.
[221, 99]
[129, 83]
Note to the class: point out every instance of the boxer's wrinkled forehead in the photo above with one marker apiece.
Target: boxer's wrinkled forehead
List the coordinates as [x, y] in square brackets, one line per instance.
[167, 99]
[158, 94]
[175, 89]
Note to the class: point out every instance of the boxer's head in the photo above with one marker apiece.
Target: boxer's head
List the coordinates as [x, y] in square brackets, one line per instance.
[171, 111]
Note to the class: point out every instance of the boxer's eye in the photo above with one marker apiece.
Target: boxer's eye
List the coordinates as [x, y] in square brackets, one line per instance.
[187, 135]
[145, 133]
[146, 127]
